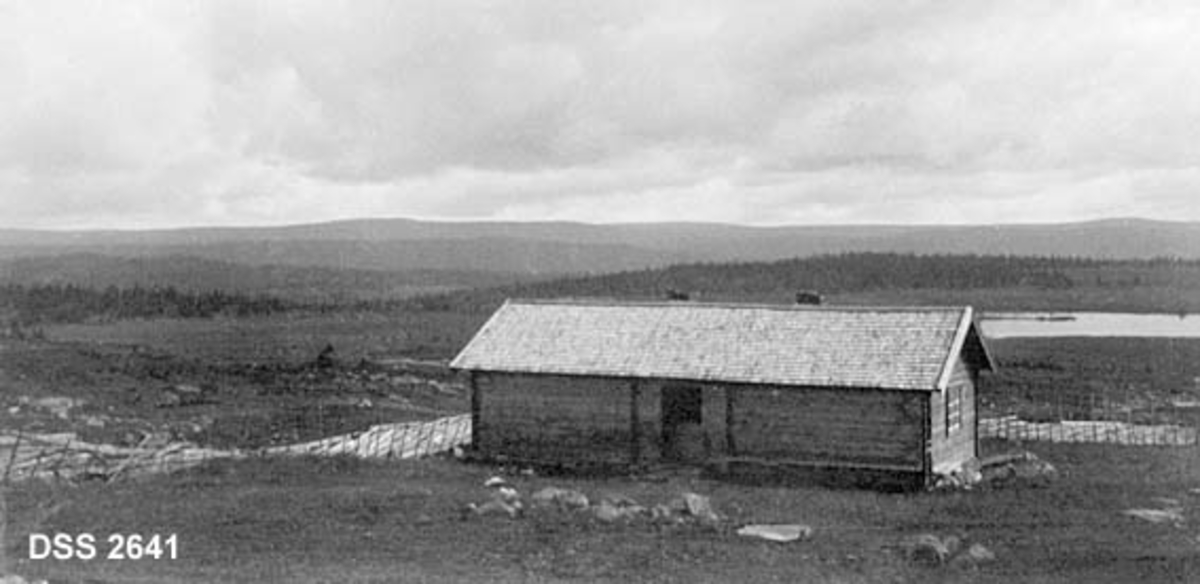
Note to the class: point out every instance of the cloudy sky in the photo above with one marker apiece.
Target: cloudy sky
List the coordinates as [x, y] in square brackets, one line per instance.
[135, 114]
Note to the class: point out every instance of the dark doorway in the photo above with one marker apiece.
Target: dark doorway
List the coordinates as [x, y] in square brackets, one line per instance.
[682, 423]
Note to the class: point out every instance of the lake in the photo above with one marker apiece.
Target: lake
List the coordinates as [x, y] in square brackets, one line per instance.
[1089, 324]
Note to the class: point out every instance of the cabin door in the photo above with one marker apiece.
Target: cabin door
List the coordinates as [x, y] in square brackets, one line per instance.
[683, 423]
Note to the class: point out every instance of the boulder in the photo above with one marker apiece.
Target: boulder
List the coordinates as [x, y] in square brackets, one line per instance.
[980, 554]
[782, 533]
[663, 514]
[607, 512]
[973, 557]
[623, 509]
[15, 579]
[562, 498]
[698, 506]
[926, 549]
[952, 543]
[1018, 468]
[1157, 515]
[507, 494]
[495, 507]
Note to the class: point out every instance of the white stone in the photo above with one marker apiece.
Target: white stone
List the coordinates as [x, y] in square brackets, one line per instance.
[781, 533]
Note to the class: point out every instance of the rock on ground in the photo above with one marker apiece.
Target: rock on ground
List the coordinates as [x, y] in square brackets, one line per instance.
[15, 579]
[663, 513]
[1018, 467]
[973, 557]
[607, 512]
[562, 498]
[980, 554]
[930, 550]
[697, 506]
[495, 507]
[1157, 515]
[781, 533]
[615, 508]
[927, 549]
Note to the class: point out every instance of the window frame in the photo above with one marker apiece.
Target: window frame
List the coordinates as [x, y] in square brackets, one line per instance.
[954, 407]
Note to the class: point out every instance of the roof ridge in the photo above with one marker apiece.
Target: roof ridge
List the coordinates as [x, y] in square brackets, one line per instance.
[616, 302]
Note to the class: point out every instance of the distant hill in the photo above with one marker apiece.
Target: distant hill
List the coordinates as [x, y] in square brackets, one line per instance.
[312, 284]
[560, 248]
[528, 257]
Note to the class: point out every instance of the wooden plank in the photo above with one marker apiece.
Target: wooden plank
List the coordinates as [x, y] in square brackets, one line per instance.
[730, 442]
[817, 463]
[927, 441]
[635, 424]
[476, 409]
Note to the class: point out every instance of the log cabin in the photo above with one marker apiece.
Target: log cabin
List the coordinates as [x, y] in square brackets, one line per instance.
[848, 391]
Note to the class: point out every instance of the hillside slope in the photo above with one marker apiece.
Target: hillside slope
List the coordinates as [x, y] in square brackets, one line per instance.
[997, 282]
[188, 273]
[576, 248]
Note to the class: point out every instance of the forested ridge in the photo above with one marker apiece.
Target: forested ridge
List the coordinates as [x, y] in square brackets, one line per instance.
[841, 273]
[778, 281]
[69, 303]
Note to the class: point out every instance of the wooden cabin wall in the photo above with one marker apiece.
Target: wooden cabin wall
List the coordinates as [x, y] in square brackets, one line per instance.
[949, 450]
[556, 419]
[835, 425]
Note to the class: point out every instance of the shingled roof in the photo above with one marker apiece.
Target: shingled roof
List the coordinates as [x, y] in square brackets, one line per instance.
[894, 348]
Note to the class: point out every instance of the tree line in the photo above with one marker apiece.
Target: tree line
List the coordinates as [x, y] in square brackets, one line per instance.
[827, 274]
[46, 303]
[747, 281]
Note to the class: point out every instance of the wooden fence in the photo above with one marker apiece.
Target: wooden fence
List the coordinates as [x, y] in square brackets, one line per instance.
[1012, 428]
[408, 440]
[63, 456]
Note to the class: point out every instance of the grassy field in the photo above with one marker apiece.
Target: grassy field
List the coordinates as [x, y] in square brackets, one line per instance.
[292, 338]
[122, 392]
[335, 520]
[1063, 377]
[1136, 379]
[1136, 299]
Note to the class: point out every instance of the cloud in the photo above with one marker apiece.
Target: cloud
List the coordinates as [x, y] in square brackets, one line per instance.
[146, 113]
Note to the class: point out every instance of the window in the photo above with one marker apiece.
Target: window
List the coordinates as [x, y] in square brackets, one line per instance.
[953, 408]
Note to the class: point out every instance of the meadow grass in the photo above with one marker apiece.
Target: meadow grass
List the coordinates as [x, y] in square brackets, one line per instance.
[335, 519]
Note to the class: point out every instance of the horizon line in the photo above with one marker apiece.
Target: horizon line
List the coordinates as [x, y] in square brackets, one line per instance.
[495, 221]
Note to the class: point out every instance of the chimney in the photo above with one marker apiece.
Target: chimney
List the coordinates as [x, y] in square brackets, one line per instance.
[673, 294]
[808, 298]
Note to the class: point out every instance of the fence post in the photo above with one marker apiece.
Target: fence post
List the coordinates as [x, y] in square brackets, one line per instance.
[402, 441]
[428, 443]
